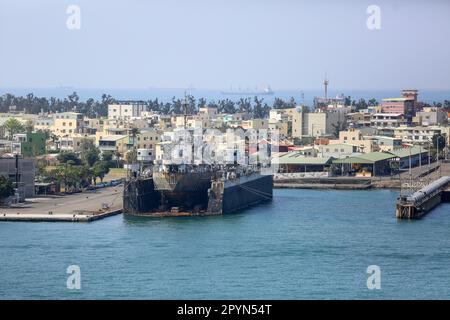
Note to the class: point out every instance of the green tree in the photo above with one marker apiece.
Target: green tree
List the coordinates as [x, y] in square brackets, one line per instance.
[372, 102]
[13, 126]
[107, 156]
[134, 132]
[6, 188]
[89, 152]
[338, 127]
[131, 156]
[100, 169]
[68, 157]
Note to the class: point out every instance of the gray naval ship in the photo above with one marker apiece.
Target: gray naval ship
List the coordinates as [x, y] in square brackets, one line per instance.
[196, 190]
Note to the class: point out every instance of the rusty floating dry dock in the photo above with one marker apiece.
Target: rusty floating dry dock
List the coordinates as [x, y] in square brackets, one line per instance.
[423, 201]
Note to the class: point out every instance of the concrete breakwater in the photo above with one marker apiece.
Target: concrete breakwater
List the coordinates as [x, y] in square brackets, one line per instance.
[342, 183]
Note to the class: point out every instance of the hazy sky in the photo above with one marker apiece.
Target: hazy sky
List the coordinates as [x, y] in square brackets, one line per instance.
[214, 44]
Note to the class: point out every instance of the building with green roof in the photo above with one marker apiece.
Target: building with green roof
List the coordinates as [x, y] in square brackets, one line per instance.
[297, 162]
[411, 157]
[369, 164]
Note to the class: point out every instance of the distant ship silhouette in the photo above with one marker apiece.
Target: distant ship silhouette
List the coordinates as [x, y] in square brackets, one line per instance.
[266, 91]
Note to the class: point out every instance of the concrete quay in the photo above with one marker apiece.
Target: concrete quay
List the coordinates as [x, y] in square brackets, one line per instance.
[79, 207]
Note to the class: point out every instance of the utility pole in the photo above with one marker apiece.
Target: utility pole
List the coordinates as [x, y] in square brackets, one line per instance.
[437, 145]
[429, 162]
[410, 171]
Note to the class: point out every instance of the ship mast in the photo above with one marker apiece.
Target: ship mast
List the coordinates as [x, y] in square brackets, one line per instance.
[185, 107]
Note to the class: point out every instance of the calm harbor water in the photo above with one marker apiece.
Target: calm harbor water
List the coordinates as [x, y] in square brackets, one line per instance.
[305, 244]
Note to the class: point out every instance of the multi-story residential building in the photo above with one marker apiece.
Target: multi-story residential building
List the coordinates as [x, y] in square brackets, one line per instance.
[419, 134]
[67, 123]
[385, 144]
[354, 137]
[197, 122]
[164, 122]
[145, 155]
[116, 131]
[339, 150]
[255, 124]
[359, 119]
[430, 117]
[44, 124]
[319, 123]
[208, 112]
[191, 121]
[126, 110]
[406, 105]
[24, 172]
[32, 143]
[282, 127]
[119, 143]
[73, 142]
[147, 139]
[387, 120]
[92, 125]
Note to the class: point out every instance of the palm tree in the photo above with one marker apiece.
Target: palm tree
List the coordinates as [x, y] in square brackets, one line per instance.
[134, 132]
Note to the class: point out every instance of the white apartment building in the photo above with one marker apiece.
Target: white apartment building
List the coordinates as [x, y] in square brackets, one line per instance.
[67, 123]
[43, 124]
[419, 135]
[387, 120]
[125, 111]
[318, 123]
[430, 117]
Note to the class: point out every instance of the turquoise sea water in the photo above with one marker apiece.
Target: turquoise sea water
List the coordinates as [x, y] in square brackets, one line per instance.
[305, 244]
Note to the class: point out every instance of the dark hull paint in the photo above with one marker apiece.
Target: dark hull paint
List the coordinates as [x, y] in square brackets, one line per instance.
[141, 198]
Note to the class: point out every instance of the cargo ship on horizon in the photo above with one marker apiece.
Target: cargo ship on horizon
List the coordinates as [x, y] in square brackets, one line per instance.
[265, 91]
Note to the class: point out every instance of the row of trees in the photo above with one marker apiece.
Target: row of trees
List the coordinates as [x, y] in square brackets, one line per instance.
[32, 104]
[93, 108]
[76, 171]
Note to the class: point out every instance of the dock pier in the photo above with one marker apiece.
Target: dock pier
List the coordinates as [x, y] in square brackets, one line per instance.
[79, 207]
[424, 200]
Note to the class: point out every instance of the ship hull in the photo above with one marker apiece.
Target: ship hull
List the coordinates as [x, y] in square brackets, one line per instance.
[141, 198]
